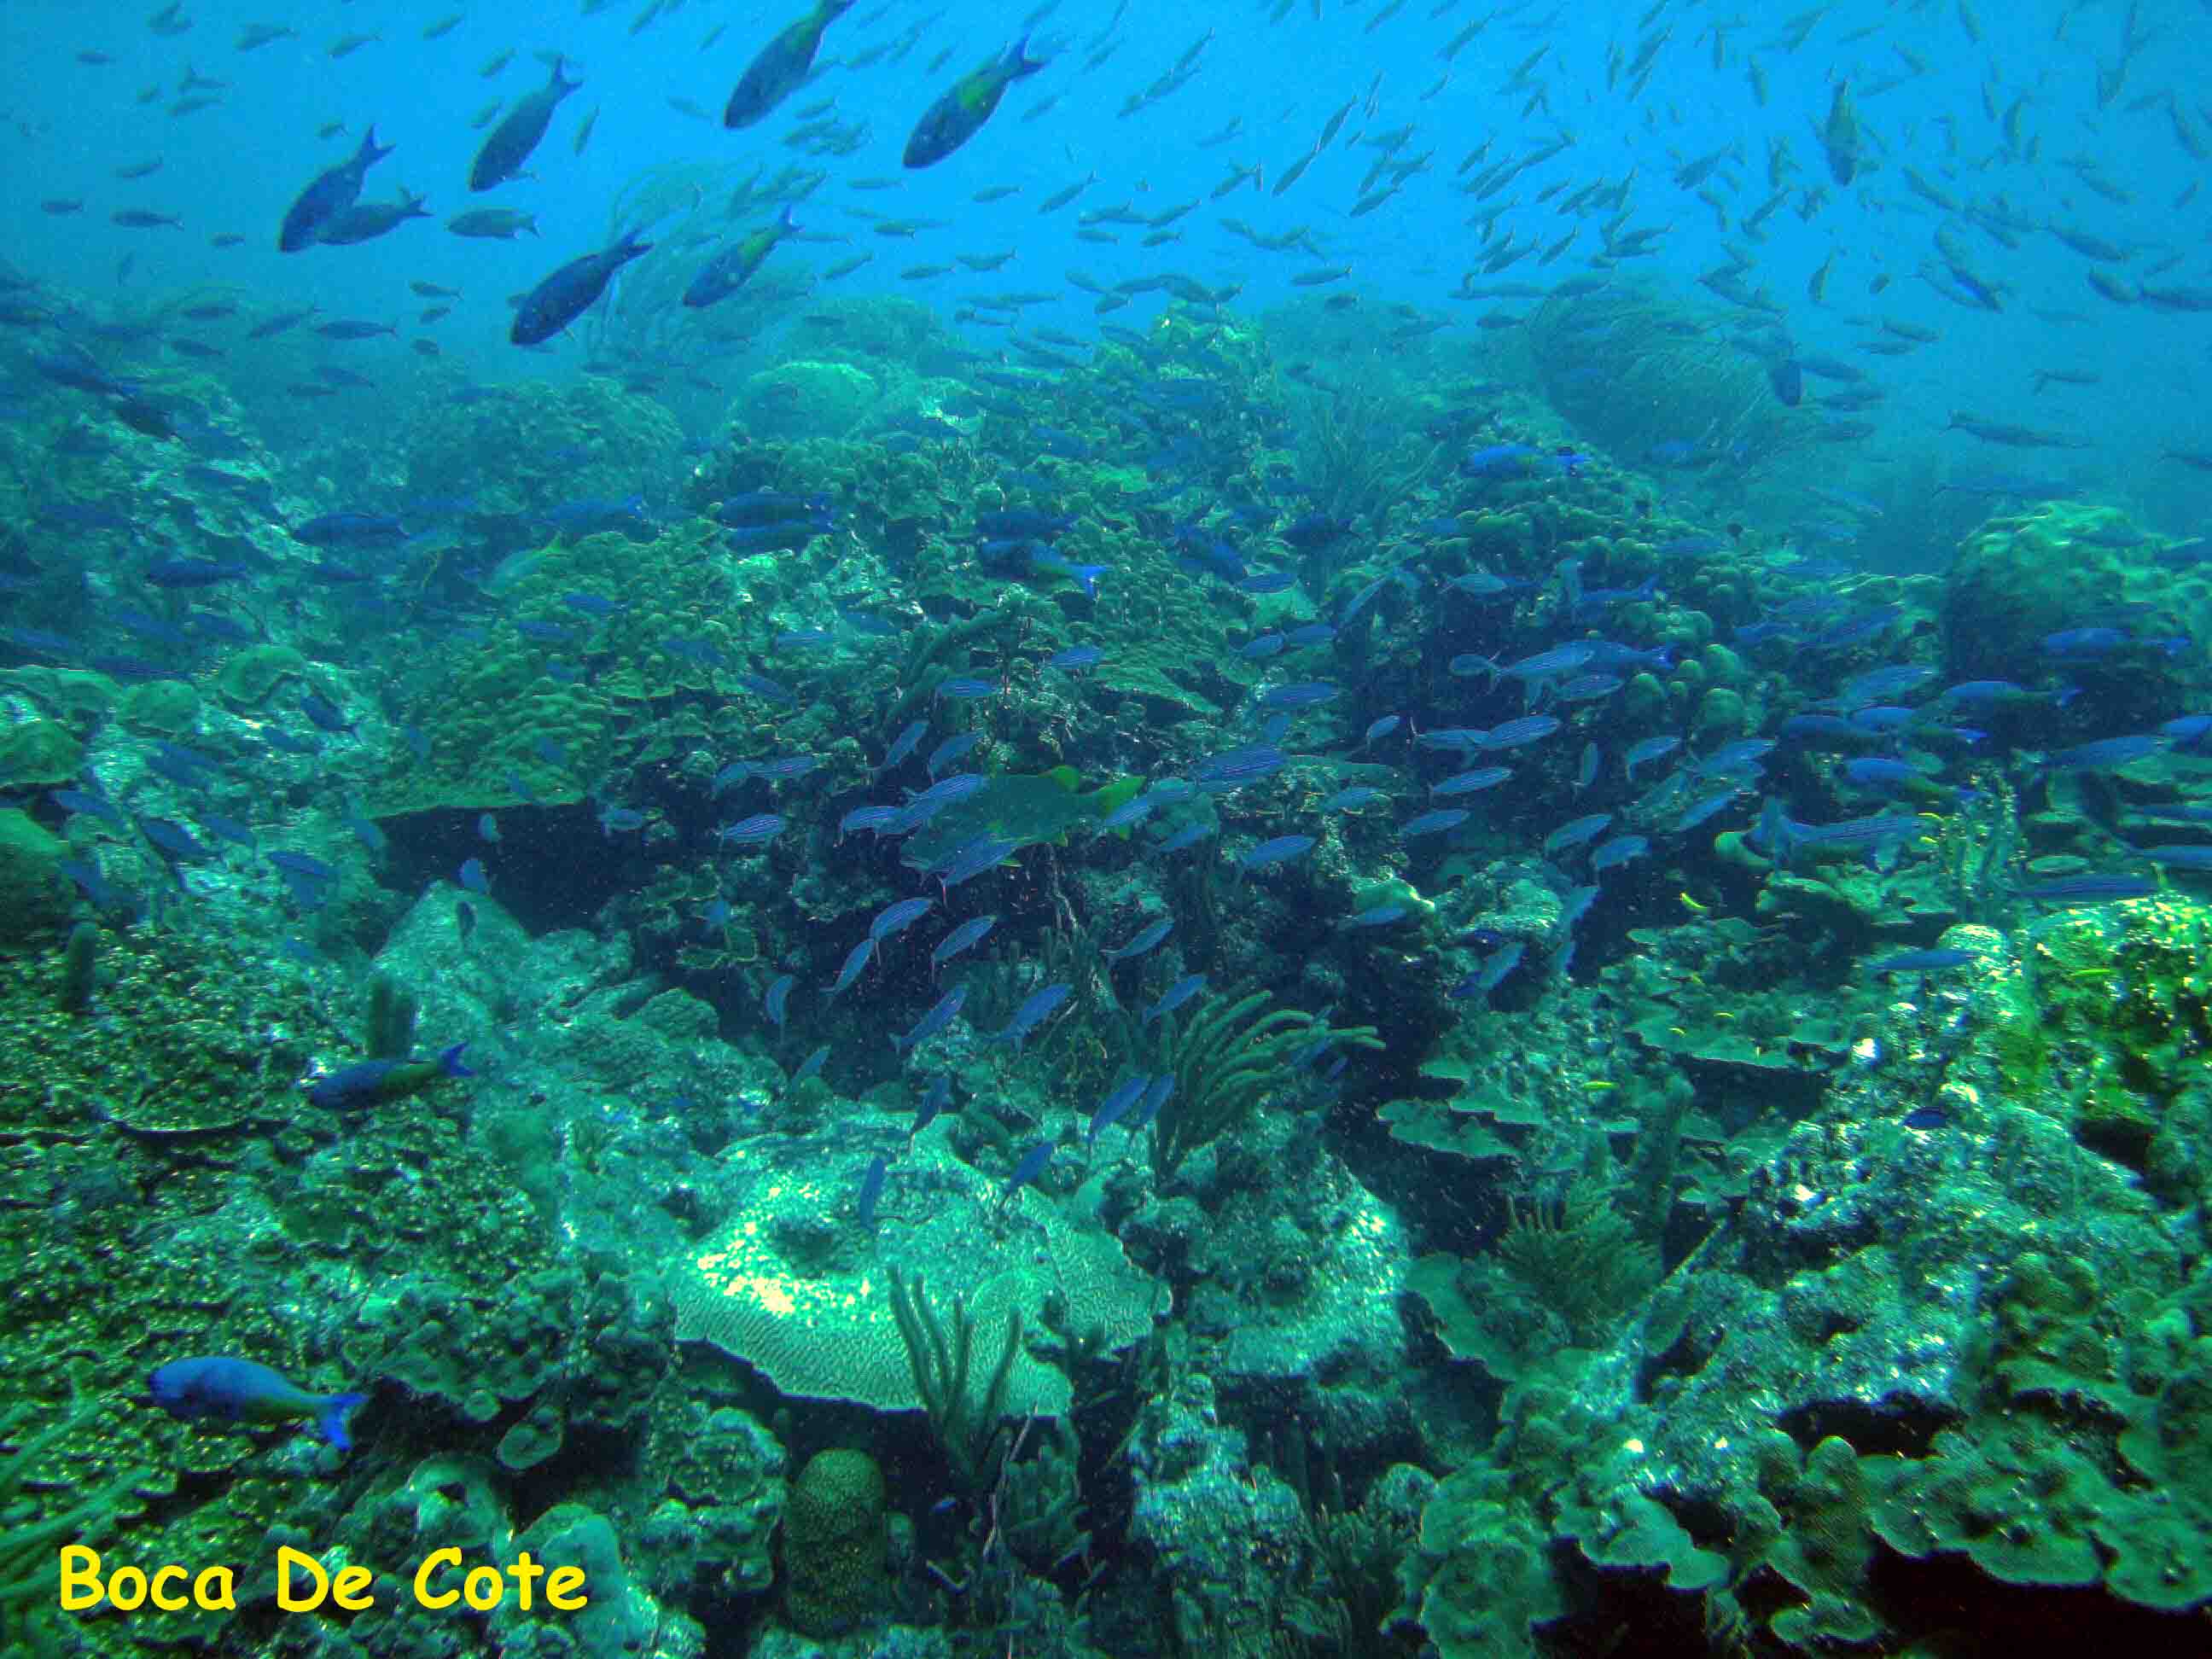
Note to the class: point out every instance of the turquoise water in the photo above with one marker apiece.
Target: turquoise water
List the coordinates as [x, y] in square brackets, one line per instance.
[1329, 829]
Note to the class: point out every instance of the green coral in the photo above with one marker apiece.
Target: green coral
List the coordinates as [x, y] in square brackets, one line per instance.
[539, 444]
[1226, 1059]
[166, 708]
[834, 1545]
[40, 754]
[31, 901]
[966, 1422]
[804, 1299]
[392, 1011]
[77, 698]
[1480, 1579]
[1579, 1257]
[30, 1547]
[663, 680]
[2112, 1018]
[804, 400]
[1825, 1552]
[247, 677]
[2022, 577]
[80, 969]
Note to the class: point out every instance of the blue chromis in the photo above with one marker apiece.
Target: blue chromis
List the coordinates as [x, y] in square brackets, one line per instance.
[244, 1391]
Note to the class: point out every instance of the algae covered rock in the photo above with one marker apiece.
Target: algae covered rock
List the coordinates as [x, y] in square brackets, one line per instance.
[2018, 579]
[805, 399]
[620, 1616]
[723, 1497]
[75, 697]
[247, 677]
[31, 900]
[164, 708]
[38, 754]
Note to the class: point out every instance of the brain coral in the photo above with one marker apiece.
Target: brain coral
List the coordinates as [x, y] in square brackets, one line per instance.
[794, 1288]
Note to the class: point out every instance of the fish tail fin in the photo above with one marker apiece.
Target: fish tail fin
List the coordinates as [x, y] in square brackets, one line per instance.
[560, 80]
[1018, 61]
[450, 1062]
[370, 151]
[330, 1417]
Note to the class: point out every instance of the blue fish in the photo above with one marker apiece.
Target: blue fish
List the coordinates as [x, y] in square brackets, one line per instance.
[1922, 962]
[1129, 813]
[810, 1067]
[959, 114]
[334, 191]
[897, 917]
[1268, 854]
[1383, 915]
[1435, 824]
[510, 144]
[1157, 1095]
[856, 960]
[1176, 994]
[933, 1101]
[904, 745]
[324, 713]
[1148, 939]
[1185, 838]
[964, 937]
[569, 292]
[1617, 851]
[940, 1016]
[1036, 1008]
[1239, 766]
[1492, 973]
[351, 1088]
[733, 266]
[780, 67]
[756, 831]
[231, 1390]
[1111, 1109]
[871, 1189]
[1031, 1166]
[951, 750]
[79, 800]
[173, 841]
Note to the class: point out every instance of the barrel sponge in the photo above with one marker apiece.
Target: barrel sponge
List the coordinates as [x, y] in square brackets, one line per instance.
[834, 1544]
[794, 1288]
